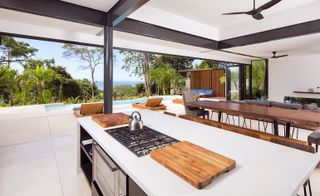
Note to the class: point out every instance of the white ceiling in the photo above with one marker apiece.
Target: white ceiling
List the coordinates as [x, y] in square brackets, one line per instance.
[302, 45]
[210, 11]
[102, 5]
[191, 15]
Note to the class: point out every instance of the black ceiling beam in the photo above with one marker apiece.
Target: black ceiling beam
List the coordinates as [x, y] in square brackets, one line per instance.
[154, 31]
[124, 8]
[58, 9]
[300, 29]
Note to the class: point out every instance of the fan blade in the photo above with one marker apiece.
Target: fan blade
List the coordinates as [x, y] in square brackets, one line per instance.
[267, 5]
[257, 16]
[280, 56]
[234, 13]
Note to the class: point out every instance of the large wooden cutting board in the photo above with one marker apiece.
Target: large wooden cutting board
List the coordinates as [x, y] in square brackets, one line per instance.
[111, 120]
[196, 165]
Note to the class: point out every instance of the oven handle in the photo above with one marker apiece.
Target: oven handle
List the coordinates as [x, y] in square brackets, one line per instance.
[105, 157]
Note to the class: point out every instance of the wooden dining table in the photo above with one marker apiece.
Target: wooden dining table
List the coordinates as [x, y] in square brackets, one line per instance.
[299, 118]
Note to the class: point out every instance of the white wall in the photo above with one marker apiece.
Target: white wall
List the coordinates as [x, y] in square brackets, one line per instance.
[293, 73]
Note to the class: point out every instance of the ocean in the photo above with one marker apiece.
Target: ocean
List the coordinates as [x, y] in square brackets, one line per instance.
[119, 83]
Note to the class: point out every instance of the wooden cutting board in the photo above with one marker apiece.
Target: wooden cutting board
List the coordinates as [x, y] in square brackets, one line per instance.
[196, 165]
[111, 120]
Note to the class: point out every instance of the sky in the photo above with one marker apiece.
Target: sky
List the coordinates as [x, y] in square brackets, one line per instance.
[54, 50]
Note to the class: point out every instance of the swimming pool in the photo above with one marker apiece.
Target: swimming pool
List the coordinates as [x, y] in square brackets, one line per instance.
[69, 107]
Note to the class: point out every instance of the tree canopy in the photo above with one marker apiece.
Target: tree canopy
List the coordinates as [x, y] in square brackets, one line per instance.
[15, 51]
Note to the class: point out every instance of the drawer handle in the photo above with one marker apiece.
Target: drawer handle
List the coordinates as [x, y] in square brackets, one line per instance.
[106, 159]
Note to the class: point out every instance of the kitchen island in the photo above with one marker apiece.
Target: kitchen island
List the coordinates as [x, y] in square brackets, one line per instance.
[263, 168]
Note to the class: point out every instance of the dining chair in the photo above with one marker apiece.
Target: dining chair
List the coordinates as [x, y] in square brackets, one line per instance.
[189, 97]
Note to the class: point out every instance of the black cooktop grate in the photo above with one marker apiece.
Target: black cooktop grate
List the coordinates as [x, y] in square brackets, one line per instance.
[141, 142]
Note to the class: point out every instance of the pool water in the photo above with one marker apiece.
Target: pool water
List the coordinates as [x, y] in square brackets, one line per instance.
[69, 107]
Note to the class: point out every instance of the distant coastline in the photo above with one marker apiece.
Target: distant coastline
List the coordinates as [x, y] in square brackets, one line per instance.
[119, 83]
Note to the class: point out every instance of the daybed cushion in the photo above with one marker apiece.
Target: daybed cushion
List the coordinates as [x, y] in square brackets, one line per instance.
[257, 102]
[91, 108]
[142, 106]
[153, 102]
[286, 105]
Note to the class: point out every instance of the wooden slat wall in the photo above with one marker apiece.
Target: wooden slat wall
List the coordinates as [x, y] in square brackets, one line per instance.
[216, 84]
[205, 79]
[208, 79]
[195, 79]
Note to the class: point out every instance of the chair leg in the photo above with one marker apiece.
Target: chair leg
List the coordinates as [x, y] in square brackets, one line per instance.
[227, 119]
[309, 184]
[292, 134]
[211, 115]
[297, 136]
[265, 126]
[244, 124]
[305, 190]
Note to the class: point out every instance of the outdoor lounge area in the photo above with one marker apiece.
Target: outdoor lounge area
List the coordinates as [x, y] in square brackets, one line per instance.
[159, 97]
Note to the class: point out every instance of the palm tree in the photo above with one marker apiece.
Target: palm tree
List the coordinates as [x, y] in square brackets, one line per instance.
[36, 79]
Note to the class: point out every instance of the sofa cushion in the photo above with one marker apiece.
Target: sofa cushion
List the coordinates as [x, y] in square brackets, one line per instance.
[208, 92]
[311, 106]
[258, 102]
[286, 105]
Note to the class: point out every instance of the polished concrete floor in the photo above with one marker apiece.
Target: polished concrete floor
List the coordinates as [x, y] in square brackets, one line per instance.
[38, 153]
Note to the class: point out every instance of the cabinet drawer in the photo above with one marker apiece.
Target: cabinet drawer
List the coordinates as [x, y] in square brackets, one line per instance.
[103, 185]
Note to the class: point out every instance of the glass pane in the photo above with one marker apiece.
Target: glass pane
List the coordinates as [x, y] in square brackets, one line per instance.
[234, 88]
[258, 74]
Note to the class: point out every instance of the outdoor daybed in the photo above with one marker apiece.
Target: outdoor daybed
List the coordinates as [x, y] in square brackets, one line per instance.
[151, 104]
[89, 109]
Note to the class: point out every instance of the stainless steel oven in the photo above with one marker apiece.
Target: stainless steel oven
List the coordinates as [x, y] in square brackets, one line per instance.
[107, 175]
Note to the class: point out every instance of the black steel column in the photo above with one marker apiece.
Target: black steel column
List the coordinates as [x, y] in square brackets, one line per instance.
[250, 81]
[228, 84]
[108, 69]
[266, 79]
[242, 82]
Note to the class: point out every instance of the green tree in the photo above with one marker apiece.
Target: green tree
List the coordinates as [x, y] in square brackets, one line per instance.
[92, 56]
[165, 77]
[15, 51]
[8, 83]
[258, 74]
[85, 89]
[35, 79]
[176, 62]
[139, 65]
[205, 64]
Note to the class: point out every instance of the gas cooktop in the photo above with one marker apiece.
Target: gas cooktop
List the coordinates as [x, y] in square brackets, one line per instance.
[141, 142]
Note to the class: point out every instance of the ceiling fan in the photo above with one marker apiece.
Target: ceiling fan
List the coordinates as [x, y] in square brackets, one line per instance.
[256, 12]
[274, 56]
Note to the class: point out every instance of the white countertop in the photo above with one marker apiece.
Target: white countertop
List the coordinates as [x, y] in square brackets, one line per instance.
[263, 168]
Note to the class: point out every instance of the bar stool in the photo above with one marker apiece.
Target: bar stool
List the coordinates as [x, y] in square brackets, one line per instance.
[314, 138]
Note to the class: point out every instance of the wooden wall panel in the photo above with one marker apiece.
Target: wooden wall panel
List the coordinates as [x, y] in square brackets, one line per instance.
[195, 80]
[216, 84]
[208, 79]
[205, 79]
